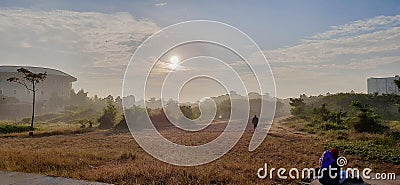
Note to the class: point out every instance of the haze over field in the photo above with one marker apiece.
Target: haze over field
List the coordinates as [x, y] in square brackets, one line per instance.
[313, 47]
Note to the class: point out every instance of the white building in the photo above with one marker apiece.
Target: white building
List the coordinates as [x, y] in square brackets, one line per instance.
[57, 83]
[383, 85]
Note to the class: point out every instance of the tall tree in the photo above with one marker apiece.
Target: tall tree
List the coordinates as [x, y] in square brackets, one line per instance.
[29, 81]
[298, 106]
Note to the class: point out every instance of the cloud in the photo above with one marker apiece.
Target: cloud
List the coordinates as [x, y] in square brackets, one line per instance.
[89, 45]
[351, 52]
[345, 42]
[360, 27]
[161, 4]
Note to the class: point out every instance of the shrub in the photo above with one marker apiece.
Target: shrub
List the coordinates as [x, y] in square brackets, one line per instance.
[121, 125]
[6, 129]
[107, 120]
[298, 107]
[335, 134]
[366, 120]
[135, 115]
[369, 150]
[332, 126]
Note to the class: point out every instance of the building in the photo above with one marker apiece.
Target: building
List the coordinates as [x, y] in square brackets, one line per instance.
[56, 83]
[129, 101]
[383, 85]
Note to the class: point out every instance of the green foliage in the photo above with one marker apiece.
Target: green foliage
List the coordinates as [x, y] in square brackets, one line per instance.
[395, 135]
[397, 82]
[366, 120]
[107, 120]
[187, 112]
[332, 126]
[224, 109]
[322, 111]
[354, 122]
[6, 129]
[386, 105]
[369, 150]
[122, 125]
[69, 115]
[78, 98]
[196, 112]
[29, 76]
[298, 107]
[135, 114]
[337, 117]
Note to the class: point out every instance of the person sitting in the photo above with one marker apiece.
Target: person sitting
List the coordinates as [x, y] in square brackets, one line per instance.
[329, 170]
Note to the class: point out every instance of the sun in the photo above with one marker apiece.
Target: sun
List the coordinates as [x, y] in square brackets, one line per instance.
[174, 62]
[174, 59]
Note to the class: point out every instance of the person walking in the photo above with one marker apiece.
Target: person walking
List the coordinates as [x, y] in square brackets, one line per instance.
[255, 121]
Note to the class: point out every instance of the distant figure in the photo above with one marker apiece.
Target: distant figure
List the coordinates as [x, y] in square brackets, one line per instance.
[255, 121]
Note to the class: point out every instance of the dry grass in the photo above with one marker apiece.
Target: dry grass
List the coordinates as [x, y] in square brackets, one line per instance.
[116, 158]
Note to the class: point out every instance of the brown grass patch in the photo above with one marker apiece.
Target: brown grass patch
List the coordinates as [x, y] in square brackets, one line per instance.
[116, 158]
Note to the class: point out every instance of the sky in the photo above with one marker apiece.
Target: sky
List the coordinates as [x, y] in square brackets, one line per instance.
[313, 47]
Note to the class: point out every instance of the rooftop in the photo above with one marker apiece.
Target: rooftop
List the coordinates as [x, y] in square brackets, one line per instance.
[49, 71]
[397, 76]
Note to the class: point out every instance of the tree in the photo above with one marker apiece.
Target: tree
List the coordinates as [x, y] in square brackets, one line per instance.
[108, 118]
[29, 81]
[298, 106]
[366, 120]
[79, 98]
[397, 82]
[118, 101]
[187, 111]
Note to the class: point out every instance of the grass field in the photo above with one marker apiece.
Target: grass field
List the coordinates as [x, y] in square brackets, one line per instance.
[106, 156]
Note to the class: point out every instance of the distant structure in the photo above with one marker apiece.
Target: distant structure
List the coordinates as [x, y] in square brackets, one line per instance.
[57, 83]
[129, 101]
[383, 85]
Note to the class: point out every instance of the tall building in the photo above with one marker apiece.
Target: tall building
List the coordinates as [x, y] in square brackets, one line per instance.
[384, 85]
[56, 83]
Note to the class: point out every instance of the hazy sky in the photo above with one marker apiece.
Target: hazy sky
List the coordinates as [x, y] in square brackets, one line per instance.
[314, 47]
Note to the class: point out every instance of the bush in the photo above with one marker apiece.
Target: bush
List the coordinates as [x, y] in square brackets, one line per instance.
[332, 126]
[369, 150]
[335, 134]
[135, 115]
[6, 129]
[107, 120]
[366, 120]
[122, 125]
[395, 135]
[298, 107]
